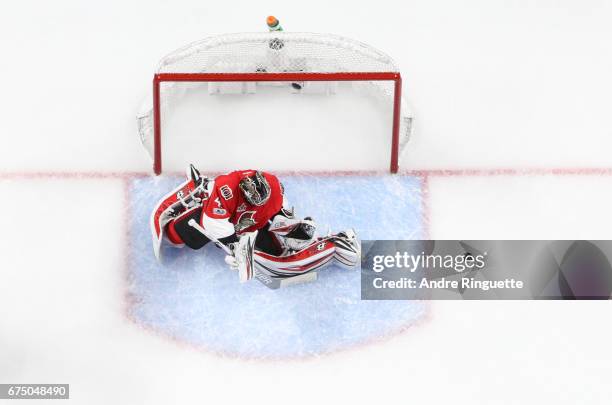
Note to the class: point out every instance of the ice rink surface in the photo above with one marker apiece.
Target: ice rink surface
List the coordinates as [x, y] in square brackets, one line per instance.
[512, 140]
[192, 296]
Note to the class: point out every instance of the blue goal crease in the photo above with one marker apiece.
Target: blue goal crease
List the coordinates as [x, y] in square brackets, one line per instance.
[194, 298]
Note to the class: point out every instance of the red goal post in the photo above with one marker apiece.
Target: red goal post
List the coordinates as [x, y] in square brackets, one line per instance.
[251, 60]
[277, 77]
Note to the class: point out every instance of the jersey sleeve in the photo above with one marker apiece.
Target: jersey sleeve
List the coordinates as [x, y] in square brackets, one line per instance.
[223, 198]
[218, 228]
[219, 209]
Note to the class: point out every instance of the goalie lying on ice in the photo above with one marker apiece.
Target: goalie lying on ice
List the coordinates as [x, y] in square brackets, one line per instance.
[246, 214]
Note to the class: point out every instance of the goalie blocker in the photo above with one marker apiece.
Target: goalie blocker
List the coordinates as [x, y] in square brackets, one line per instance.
[245, 214]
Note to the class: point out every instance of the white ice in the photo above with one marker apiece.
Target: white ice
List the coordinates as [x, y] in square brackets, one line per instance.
[494, 84]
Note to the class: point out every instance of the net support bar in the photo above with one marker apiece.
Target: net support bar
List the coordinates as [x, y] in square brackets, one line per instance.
[276, 77]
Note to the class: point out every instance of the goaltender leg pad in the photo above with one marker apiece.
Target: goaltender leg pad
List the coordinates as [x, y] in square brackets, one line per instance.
[348, 248]
[165, 210]
[186, 195]
[315, 256]
[274, 271]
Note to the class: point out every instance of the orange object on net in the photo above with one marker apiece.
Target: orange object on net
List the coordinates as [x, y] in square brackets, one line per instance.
[272, 21]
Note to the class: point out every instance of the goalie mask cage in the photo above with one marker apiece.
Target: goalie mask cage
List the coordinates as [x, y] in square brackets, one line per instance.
[296, 59]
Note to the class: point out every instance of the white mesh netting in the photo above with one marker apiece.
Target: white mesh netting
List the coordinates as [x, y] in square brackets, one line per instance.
[272, 52]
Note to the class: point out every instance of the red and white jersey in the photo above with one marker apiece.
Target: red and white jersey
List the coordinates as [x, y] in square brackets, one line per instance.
[226, 209]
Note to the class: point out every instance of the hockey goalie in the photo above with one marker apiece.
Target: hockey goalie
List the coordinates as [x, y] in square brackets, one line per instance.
[246, 214]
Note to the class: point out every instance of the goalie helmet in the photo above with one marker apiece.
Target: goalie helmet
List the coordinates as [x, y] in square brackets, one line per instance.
[255, 189]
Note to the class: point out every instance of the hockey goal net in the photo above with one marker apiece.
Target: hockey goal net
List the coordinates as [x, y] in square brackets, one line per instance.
[295, 68]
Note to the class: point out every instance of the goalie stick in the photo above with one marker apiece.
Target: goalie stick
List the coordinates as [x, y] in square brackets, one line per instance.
[276, 283]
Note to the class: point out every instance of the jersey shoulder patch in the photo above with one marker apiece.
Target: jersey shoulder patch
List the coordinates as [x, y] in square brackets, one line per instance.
[226, 192]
